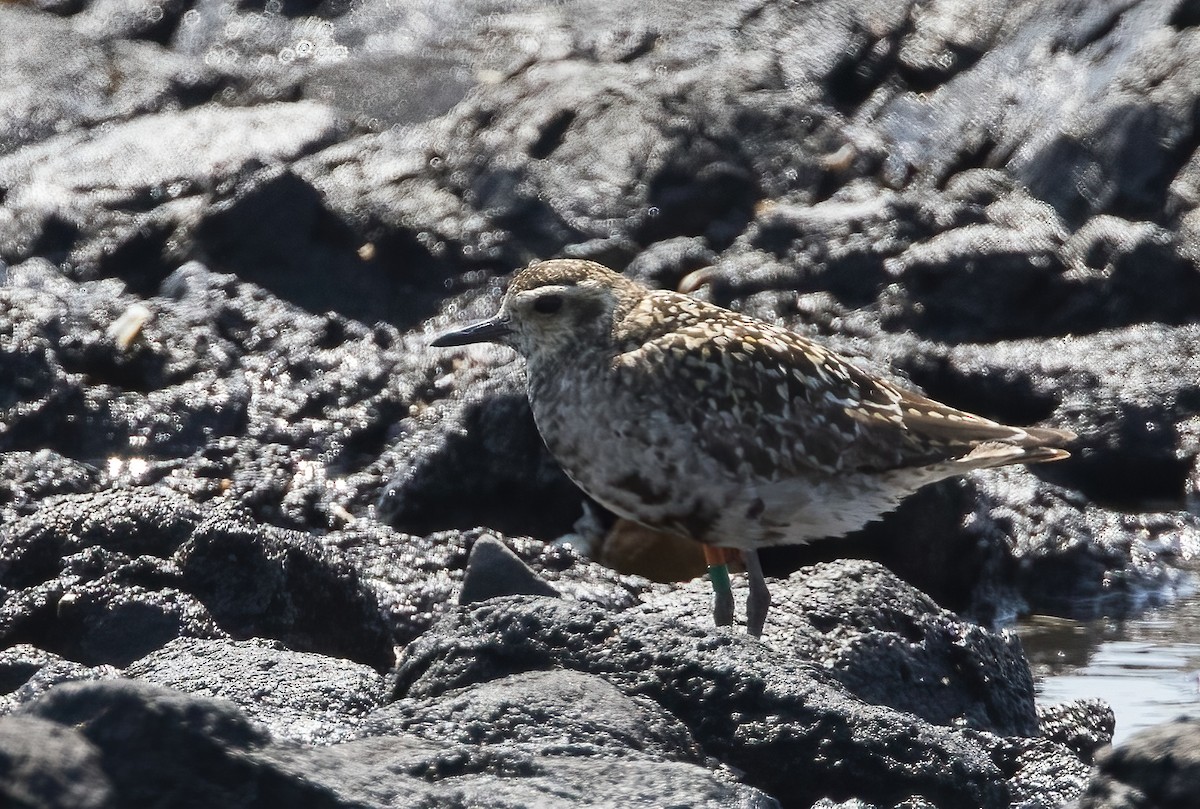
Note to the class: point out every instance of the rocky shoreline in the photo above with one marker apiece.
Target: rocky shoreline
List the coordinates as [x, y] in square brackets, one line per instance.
[260, 545]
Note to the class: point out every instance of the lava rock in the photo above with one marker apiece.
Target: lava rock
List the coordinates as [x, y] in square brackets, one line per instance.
[150, 743]
[1159, 766]
[493, 570]
[1083, 725]
[264, 582]
[747, 705]
[300, 696]
[47, 765]
[561, 711]
[29, 672]
[886, 643]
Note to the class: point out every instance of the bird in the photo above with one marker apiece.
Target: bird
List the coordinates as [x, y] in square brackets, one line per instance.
[722, 428]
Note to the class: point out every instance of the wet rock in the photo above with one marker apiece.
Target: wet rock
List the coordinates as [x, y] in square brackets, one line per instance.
[1041, 773]
[1159, 766]
[1130, 394]
[886, 643]
[124, 192]
[747, 705]
[549, 711]
[300, 696]
[1004, 107]
[1083, 725]
[27, 672]
[155, 21]
[151, 741]
[1064, 555]
[259, 581]
[28, 477]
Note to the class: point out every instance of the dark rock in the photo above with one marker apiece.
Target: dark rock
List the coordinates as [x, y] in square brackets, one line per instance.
[259, 581]
[20, 662]
[114, 621]
[384, 771]
[1159, 767]
[416, 579]
[1083, 725]
[747, 705]
[390, 277]
[355, 593]
[327, 217]
[493, 570]
[101, 610]
[37, 394]
[887, 644]
[855, 803]
[154, 744]
[296, 695]
[1128, 393]
[129, 522]
[366, 88]
[28, 672]
[28, 477]
[1041, 774]
[109, 577]
[664, 264]
[63, 8]
[88, 579]
[550, 135]
[130, 192]
[1066, 145]
[46, 765]
[470, 458]
[561, 711]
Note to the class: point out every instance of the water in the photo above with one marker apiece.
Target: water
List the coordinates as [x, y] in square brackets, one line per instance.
[1146, 667]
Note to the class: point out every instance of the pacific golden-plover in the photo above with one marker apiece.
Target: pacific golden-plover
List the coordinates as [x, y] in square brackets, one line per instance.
[689, 418]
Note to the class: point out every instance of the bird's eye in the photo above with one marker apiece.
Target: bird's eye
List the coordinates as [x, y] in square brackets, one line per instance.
[547, 304]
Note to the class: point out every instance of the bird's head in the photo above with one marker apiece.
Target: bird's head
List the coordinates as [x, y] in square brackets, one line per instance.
[554, 308]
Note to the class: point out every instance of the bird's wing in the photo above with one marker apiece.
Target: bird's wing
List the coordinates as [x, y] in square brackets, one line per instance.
[765, 397]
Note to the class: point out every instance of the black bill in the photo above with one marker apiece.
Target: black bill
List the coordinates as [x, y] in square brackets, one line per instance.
[486, 331]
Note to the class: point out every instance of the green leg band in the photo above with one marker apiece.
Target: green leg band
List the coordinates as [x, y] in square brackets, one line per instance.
[719, 576]
[722, 595]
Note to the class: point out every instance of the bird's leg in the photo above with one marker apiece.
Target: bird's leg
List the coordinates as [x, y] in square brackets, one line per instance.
[717, 560]
[759, 600]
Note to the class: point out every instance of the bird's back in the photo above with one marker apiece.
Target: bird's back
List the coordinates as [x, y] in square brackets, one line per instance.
[745, 383]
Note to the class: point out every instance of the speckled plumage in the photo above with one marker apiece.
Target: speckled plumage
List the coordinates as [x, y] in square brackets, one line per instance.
[690, 418]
